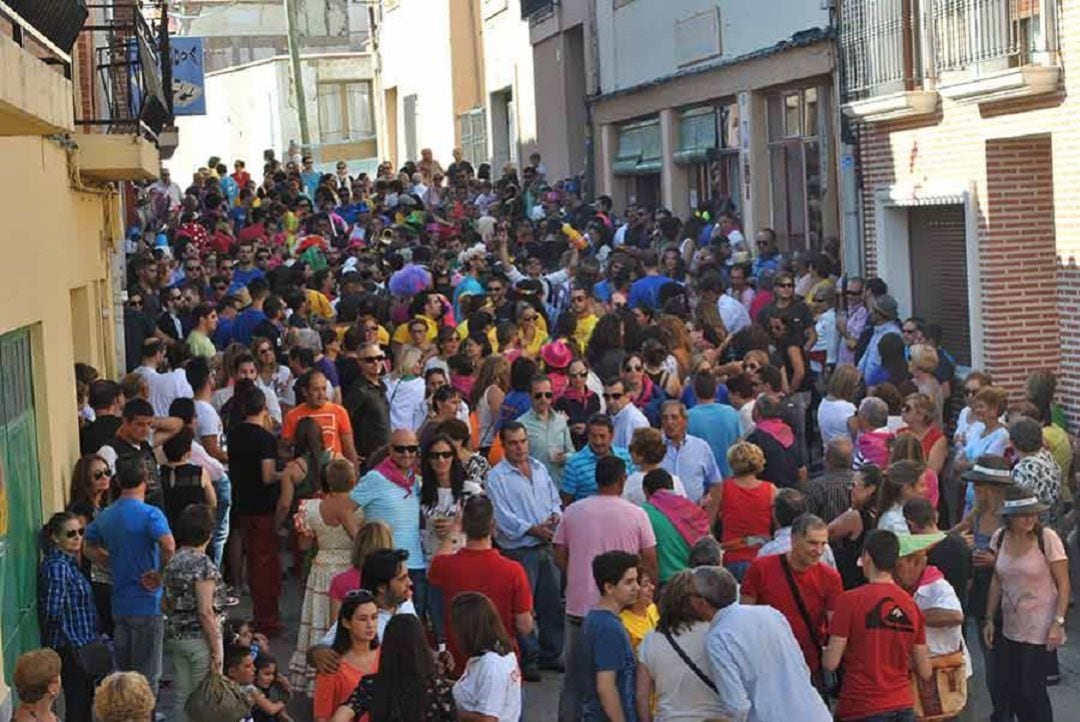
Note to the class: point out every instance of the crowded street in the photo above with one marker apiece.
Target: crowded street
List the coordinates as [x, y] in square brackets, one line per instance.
[621, 361]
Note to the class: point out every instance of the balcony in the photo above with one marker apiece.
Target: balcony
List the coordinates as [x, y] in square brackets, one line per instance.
[897, 56]
[36, 37]
[991, 50]
[130, 114]
[884, 73]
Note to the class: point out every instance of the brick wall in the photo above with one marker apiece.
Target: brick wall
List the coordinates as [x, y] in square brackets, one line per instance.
[1068, 298]
[1017, 259]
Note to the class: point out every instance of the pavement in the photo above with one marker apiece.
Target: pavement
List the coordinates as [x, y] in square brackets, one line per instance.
[542, 698]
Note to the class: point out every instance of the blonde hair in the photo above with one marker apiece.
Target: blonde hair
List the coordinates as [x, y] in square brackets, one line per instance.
[374, 535]
[340, 475]
[746, 458]
[922, 403]
[407, 358]
[844, 382]
[124, 697]
[34, 672]
[923, 358]
[993, 396]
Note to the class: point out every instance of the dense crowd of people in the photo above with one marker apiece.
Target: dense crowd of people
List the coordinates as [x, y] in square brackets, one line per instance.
[497, 430]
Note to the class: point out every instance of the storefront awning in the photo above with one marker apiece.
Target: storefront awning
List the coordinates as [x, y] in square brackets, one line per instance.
[639, 149]
[697, 135]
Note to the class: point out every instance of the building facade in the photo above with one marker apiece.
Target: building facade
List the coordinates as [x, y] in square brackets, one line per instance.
[61, 196]
[963, 113]
[701, 101]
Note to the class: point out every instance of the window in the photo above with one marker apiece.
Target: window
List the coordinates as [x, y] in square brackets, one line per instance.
[639, 148]
[345, 112]
[797, 130]
[697, 37]
[474, 136]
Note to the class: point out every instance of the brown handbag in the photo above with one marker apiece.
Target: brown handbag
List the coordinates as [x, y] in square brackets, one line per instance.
[944, 695]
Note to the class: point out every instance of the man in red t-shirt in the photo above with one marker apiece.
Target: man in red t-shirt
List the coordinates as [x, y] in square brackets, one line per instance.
[818, 584]
[879, 633]
[478, 567]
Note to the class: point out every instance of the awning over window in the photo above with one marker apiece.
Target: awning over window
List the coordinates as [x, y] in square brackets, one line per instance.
[639, 149]
[697, 135]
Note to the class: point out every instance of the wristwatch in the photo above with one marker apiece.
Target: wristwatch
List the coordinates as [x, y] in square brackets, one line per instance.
[1060, 621]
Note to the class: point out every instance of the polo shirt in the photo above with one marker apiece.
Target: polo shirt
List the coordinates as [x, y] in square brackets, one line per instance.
[579, 474]
[672, 551]
[693, 462]
[547, 438]
[486, 571]
[383, 500]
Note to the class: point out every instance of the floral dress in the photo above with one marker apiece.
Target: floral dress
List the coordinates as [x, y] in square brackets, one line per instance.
[440, 707]
[335, 548]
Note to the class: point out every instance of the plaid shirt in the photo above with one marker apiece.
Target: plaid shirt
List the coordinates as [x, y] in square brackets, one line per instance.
[66, 599]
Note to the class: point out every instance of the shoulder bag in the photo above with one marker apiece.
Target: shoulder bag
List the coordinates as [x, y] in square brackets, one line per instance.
[689, 662]
[828, 683]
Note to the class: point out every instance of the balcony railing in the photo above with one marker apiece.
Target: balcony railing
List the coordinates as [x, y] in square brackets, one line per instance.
[894, 45]
[879, 52]
[129, 72]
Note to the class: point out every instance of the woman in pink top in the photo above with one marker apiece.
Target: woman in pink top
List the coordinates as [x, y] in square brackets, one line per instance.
[374, 535]
[1031, 583]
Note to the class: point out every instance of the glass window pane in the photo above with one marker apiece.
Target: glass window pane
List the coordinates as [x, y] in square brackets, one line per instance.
[775, 116]
[331, 123]
[796, 196]
[729, 126]
[792, 125]
[810, 98]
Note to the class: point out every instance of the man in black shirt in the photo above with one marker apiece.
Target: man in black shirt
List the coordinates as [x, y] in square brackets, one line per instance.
[365, 400]
[138, 433]
[952, 556]
[107, 401]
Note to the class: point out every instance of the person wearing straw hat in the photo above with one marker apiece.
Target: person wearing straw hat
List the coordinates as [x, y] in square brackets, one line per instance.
[1031, 585]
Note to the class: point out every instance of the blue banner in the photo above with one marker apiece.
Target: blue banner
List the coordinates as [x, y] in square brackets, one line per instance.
[189, 96]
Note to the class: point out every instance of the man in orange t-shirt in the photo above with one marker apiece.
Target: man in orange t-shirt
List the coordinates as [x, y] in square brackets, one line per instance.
[331, 418]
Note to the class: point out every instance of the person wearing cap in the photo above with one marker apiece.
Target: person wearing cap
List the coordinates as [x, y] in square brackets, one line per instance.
[933, 594]
[883, 314]
[879, 634]
[1031, 586]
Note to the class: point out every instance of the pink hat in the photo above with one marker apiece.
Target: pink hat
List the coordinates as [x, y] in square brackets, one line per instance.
[557, 354]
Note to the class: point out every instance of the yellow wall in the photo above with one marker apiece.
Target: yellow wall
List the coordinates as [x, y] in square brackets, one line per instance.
[466, 58]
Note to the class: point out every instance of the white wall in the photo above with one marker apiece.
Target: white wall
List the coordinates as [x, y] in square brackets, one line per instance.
[636, 42]
[508, 63]
[415, 47]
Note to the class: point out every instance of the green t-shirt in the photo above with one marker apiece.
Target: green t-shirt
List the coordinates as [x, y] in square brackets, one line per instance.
[672, 551]
[200, 345]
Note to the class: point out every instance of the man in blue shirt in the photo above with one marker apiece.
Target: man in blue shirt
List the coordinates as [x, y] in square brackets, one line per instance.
[608, 667]
[248, 319]
[717, 424]
[579, 474]
[310, 176]
[646, 290]
[687, 457]
[245, 271]
[133, 539]
[768, 258]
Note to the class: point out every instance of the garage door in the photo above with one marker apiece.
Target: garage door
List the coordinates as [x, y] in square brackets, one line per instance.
[939, 275]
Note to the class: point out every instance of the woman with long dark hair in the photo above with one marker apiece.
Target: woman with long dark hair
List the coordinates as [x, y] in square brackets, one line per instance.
[407, 686]
[91, 491]
[606, 350]
[847, 531]
[357, 643]
[490, 684]
[68, 615]
[302, 477]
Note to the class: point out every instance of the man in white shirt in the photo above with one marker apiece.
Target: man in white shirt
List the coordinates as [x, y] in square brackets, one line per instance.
[624, 414]
[163, 387]
[732, 313]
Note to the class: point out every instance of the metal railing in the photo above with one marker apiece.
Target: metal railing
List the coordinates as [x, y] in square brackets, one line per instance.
[129, 73]
[879, 52]
[892, 45]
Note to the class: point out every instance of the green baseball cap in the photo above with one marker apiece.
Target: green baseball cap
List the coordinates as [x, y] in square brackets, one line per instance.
[915, 543]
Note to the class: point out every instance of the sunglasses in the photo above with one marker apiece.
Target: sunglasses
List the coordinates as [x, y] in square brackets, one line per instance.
[105, 474]
[852, 293]
[785, 285]
[440, 455]
[613, 396]
[579, 374]
[528, 318]
[633, 368]
[406, 448]
[363, 595]
[72, 533]
[543, 395]
[372, 359]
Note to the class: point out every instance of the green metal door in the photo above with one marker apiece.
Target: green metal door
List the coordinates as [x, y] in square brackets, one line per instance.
[20, 501]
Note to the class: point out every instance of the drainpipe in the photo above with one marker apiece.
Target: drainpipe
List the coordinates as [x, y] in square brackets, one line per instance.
[297, 73]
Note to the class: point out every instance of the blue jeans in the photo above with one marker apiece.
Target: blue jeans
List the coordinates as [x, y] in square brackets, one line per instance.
[572, 696]
[139, 642]
[428, 602]
[903, 715]
[223, 490]
[545, 645]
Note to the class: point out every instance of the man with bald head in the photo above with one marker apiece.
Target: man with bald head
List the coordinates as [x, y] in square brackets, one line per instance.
[829, 494]
[390, 493]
